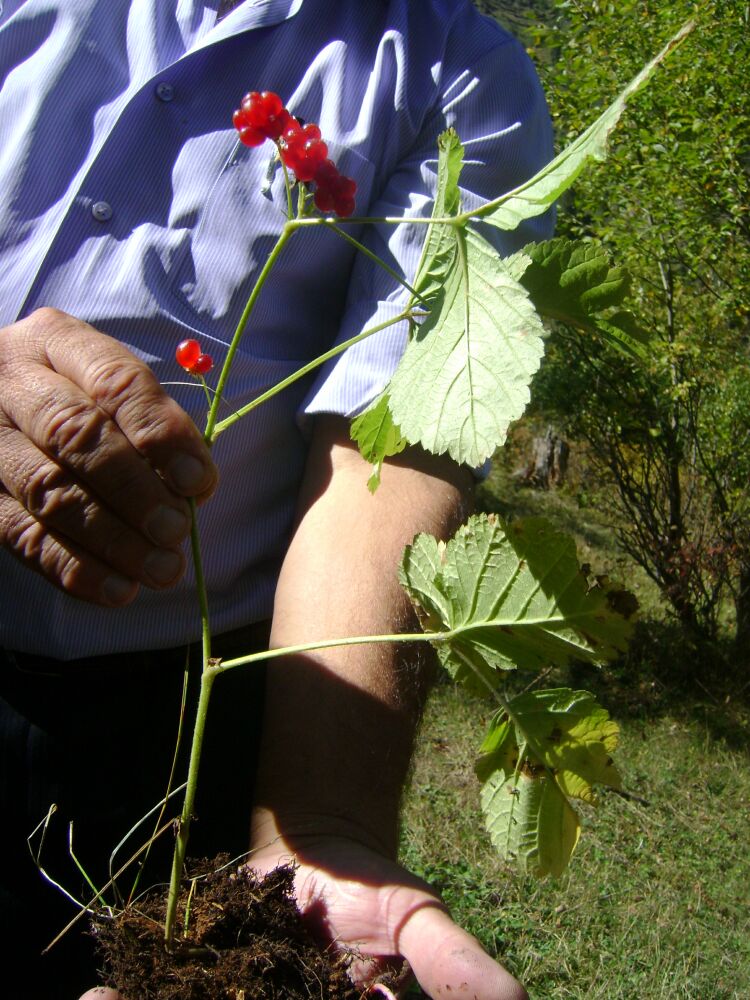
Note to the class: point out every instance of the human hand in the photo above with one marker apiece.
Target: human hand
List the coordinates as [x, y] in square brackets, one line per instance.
[96, 462]
[352, 895]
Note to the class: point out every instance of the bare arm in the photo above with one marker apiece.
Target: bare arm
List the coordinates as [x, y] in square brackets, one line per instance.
[340, 724]
[339, 579]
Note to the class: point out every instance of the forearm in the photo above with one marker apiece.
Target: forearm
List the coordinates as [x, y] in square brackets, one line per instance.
[339, 724]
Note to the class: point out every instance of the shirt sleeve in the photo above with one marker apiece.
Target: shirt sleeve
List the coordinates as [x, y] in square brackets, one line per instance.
[498, 109]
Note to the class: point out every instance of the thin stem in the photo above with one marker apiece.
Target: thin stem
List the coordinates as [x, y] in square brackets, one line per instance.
[208, 676]
[381, 263]
[309, 647]
[286, 233]
[301, 372]
[390, 220]
[183, 830]
[288, 188]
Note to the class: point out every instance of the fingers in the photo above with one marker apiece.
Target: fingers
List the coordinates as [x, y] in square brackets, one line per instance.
[47, 494]
[62, 563]
[83, 398]
[96, 462]
[449, 962]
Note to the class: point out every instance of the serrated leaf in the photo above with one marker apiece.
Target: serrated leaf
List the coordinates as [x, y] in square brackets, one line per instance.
[439, 250]
[511, 595]
[622, 330]
[530, 822]
[377, 437]
[574, 274]
[465, 375]
[573, 282]
[536, 195]
[549, 747]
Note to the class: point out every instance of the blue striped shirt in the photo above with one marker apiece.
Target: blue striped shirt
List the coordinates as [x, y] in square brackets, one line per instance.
[127, 202]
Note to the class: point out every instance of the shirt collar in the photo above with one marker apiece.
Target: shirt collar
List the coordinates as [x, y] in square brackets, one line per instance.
[251, 14]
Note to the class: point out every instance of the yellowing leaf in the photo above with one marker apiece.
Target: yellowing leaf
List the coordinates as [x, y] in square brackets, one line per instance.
[549, 747]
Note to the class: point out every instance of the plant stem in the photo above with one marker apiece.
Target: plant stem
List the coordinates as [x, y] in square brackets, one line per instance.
[223, 425]
[309, 647]
[286, 233]
[208, 674]
[211, 669]
[391, 220]
[381, 263]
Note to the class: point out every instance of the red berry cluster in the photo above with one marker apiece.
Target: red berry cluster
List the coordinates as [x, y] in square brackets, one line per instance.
[301, 148]
[192, 359]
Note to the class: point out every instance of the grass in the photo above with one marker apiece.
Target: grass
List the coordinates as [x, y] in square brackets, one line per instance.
[656, 902]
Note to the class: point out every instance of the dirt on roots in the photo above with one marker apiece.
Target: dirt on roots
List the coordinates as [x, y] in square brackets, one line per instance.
[245, 941]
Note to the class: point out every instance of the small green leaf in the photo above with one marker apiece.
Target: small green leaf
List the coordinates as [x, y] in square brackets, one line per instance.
[549, 747]
[512, 596]
[575, 274]
[530, 822]
[439, 250]
[573, 282]
[377, 437]
[536, 195]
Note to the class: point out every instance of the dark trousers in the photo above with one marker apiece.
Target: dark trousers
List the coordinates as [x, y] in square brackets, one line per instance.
[96, 738]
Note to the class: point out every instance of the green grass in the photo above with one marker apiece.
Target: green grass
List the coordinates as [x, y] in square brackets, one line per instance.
[656, 902]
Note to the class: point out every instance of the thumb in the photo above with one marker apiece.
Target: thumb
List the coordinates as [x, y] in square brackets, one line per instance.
[101, 993]
[448, 961]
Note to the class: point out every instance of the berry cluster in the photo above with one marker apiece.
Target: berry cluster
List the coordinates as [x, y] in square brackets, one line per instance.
[190, 357]
[263, 116]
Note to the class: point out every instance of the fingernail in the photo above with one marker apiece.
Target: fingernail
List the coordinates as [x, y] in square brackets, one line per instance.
[163, 566]
[188, 474]
[118, 590]
[167, 525]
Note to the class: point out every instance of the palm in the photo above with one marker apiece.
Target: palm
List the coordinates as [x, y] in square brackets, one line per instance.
[352, 895]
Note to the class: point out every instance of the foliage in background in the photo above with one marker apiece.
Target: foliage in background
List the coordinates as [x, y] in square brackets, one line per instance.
[672, 433]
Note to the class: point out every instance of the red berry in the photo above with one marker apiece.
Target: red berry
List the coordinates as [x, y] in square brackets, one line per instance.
[344, 207]
[324, 200]
[249, 99]
[252, 136]
[291, 128]
[296, 137]
[265, 112]
[345, 187]
[325, 172]
[202, 365]
[316, 152]
[187, 353]
[239, 119]
[276, 124]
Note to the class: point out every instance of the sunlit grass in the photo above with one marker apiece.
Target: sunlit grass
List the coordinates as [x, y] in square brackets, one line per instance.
[656, 902]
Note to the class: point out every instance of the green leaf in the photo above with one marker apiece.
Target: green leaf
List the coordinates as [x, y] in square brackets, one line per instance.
[512, 596]
[549, 747]
[530, 822]
[377, 437]
[575, 274]
[573, 281]
[439, 250]
[465, 375]
[536, 195]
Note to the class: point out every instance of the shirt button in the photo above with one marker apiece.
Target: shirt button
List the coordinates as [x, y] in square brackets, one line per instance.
[102, 211]
[164, 91]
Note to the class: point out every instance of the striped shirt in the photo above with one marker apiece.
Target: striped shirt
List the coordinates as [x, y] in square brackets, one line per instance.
[126, 201]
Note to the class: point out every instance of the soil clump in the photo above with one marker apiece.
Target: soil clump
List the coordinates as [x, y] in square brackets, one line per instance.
[245, 941]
